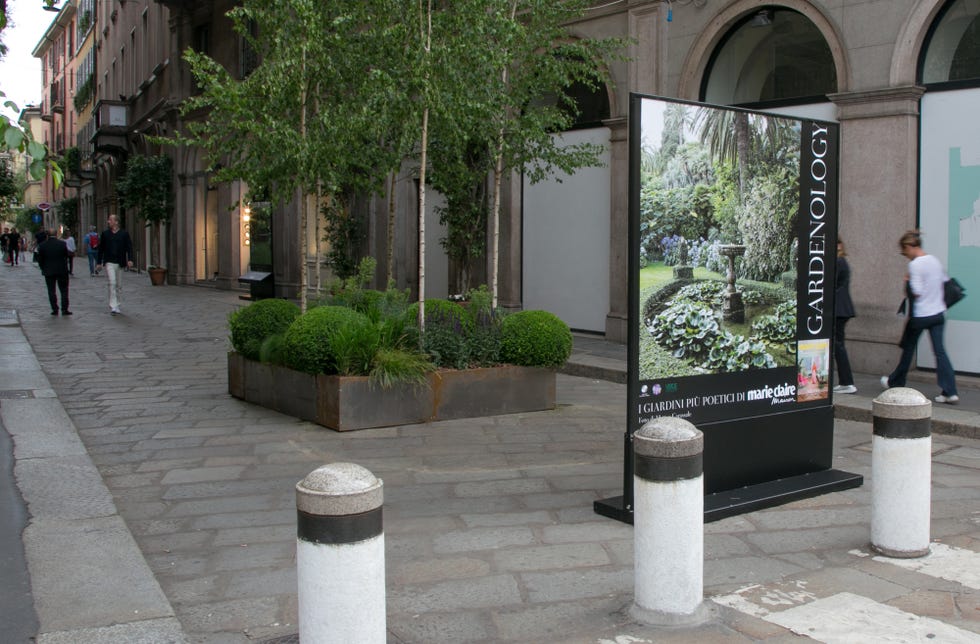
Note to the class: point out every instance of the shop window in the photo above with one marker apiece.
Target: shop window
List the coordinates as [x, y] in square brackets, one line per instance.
[952, 49]
[773, 55]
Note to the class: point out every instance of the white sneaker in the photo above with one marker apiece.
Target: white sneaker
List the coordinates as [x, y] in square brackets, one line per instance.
[115, 310]
[949, 400]
[845, 389]
[884, 383]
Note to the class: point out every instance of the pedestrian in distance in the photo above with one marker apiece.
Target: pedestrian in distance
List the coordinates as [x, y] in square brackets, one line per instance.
[39, 237]
[115, 253]
[70, 244]
[843, 311]
[4, 244]
[924, 290]
[92, 249]
[52, 258]
[14, 243]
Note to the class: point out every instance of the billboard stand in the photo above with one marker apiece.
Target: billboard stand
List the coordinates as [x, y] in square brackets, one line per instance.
[757, 222]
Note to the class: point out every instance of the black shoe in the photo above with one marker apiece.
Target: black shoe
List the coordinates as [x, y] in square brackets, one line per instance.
[55, 312]
[66, 313]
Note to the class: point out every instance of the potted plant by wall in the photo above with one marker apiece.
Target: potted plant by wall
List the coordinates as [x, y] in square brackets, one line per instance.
[147, 187]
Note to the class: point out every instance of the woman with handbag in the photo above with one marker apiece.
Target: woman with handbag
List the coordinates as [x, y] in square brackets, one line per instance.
[924, 284]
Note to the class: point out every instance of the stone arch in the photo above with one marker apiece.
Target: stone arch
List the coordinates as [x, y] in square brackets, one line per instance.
[911, 38]
[610, 96]
[689, 86]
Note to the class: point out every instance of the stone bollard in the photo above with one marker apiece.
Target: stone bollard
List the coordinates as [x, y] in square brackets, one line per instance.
[901, 470]
[340, 556]
[668, 522]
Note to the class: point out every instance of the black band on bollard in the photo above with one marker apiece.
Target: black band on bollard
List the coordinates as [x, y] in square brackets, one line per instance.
[350, 528]
[902, 428]
[657, 468]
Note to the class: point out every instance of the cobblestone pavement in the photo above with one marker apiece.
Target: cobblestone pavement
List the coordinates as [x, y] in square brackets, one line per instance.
[489, 529]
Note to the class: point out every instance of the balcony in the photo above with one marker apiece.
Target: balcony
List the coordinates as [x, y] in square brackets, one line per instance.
[111, 127]
[57, 98]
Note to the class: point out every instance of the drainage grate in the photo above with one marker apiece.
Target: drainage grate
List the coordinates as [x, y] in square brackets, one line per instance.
[16, 394]
[8, 317]
[285, 639]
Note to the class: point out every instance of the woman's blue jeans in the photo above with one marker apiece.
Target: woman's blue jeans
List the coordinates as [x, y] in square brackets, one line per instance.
[935, 324]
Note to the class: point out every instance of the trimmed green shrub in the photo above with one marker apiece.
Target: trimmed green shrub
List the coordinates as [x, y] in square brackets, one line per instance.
[442, 313]
[307, 345]
[535, 339]
[271, 350]
[251, 325]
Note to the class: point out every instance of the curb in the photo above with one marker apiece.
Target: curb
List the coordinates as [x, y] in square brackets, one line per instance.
[89, 579]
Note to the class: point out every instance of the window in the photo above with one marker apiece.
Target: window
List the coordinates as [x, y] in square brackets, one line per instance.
[771, 55]
[952, 48]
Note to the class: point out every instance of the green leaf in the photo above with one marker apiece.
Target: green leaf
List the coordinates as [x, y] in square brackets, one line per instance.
[36, 150]
[13, 138]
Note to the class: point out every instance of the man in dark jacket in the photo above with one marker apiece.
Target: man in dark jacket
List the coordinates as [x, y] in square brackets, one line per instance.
[52, 258]
[115, 253]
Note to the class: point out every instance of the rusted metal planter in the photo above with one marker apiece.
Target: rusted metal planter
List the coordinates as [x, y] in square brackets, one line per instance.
[344, 403]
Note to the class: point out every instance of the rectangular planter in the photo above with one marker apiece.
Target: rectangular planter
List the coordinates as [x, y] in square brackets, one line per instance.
[353, 402]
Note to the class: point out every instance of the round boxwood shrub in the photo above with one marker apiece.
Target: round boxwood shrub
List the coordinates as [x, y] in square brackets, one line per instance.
[251, 325]
[307, 345]
[535, 339]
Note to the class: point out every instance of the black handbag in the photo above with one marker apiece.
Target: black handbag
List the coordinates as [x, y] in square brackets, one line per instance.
[953, 292]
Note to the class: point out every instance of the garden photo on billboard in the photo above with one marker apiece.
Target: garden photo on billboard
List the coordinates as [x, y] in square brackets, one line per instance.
[734, 248]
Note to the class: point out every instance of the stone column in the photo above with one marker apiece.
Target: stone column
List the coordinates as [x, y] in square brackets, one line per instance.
[879, 172]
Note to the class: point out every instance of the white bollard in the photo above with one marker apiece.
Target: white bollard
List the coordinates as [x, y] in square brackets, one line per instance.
[668, 522]
[901, 471]
[340, 556]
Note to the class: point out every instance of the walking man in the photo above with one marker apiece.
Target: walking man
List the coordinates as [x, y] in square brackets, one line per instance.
[52, 258]
[13, 247]
[115, 253]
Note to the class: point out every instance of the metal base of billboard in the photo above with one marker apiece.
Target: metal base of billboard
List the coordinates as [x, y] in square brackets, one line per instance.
[728, 503]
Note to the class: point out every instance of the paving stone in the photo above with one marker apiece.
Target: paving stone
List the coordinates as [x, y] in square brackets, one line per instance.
[583, 532]
[435, 570]
[577, 584]
[482, 539]
[482, 592]
[535, 558]
[436, 627]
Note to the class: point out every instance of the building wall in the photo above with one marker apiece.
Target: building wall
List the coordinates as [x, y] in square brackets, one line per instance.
[875, 45]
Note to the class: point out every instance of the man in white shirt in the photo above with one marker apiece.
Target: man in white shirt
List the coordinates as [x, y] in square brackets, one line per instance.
[924, 285]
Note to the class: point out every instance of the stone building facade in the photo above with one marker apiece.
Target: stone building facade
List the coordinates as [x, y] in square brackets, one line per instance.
[887, 70]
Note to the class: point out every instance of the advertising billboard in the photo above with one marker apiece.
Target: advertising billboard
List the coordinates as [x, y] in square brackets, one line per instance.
[733, 233]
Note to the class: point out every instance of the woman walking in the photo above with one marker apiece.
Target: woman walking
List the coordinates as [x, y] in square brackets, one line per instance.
[924, 285]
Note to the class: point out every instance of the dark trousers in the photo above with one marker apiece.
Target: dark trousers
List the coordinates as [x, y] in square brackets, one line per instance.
[934, 324]
[71, 263]
[844, 375]
[62, 282]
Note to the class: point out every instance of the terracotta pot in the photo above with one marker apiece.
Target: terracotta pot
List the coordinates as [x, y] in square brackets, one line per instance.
[157, 275]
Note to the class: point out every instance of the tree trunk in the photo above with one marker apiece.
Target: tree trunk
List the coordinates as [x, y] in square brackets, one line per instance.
[304, 208]
[393, 179]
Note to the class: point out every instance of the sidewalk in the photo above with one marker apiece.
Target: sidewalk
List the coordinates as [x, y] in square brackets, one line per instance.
[162, 510]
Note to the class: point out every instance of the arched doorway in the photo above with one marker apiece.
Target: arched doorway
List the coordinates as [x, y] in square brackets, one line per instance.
[949, 167]
[773, 58]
